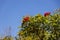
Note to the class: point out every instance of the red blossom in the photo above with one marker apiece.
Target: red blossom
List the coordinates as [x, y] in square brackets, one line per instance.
[26, 18]
[47, 14]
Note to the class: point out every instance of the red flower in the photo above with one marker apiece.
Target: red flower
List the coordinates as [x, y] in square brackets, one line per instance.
[47, 14]
[26, 18]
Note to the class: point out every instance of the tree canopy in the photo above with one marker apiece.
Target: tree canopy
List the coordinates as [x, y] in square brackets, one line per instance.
[41, 27]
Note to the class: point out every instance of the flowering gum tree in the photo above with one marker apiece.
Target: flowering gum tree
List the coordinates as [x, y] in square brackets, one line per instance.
[40, 27]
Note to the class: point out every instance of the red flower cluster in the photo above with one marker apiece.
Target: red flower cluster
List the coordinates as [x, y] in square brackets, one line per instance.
[47, 14]
[26, 19]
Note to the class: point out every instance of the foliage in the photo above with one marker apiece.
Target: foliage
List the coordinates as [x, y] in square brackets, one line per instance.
[40, 27]
[7, 38]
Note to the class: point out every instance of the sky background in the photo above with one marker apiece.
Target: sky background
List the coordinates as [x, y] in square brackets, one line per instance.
[12, 11]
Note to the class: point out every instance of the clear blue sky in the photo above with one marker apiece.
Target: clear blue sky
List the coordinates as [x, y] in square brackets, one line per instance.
[12, 11]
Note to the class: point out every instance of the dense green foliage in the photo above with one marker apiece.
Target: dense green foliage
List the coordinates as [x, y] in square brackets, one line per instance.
[40, 27]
